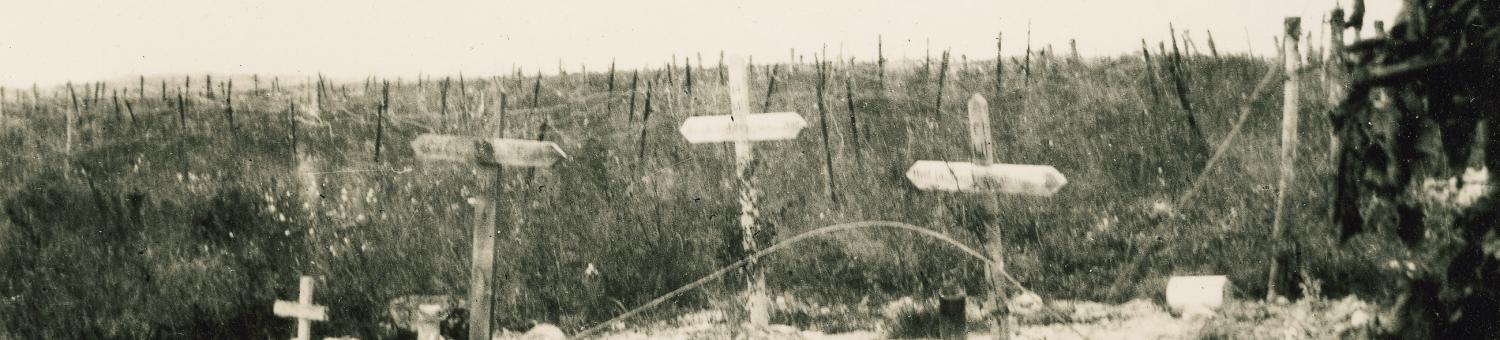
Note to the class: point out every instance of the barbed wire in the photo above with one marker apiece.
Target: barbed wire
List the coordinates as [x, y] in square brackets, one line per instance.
[818, 232]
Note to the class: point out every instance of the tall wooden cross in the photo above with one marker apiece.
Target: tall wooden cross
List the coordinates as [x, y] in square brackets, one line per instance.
[986, 177]
[742, 128]
[486, 154]
[303, 310]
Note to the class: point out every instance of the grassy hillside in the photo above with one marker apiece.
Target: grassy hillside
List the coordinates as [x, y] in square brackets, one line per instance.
[168, 225]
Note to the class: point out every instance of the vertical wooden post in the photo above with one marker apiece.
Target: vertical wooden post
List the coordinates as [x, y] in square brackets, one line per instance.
[443, 97]
[640, 157]
[982, 143]
[880, 59]
[635, 79]
[304, 297]
[68, 122]
[1152, 76]
[536, 91]
[229, 103]
[483, 266]
[859, 160]
[385, 105]
[316, 94]
[1073, 44]
[141, 91]
[937, 109]
[321, 95]
[181, 131]
[770, 86]
[999, 65]
[291, 122]
[1026, 63]
[822, 69]
[687, 74]
[1291, 58]
[744, 163]
[36, 99]
[114, 96]
[1179, 78]
[1332, 71]
[609, 105]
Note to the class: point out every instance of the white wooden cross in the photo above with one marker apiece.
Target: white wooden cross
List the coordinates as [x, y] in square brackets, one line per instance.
[488, 154]
[303, 310]
[985, 177]
[742, 128]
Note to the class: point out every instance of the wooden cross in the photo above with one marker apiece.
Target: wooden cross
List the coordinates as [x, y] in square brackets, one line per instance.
[985, 177]
[487, 154]
[741, 127]
[303, 310]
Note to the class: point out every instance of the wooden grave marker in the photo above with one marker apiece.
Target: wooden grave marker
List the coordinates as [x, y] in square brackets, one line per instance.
[486, 154]
[986, 177]
[303, 310]
[742, 128]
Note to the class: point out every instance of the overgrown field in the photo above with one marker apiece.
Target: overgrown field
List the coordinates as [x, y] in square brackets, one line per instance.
[164, 224]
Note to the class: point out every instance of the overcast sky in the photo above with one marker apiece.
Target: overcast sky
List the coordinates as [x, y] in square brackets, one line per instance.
[50, 42]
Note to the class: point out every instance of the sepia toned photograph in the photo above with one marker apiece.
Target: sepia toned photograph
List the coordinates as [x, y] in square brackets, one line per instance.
[749, 169]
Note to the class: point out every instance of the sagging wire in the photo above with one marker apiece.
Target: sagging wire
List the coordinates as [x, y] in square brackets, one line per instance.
[818, 232]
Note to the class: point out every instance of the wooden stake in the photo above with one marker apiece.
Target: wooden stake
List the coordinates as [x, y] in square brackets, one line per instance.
[609, 105]
[770, 87]
[130, 109]
[443, 97]
[937, 108]
[1291, 91]
[229, 103]
[1152, 77]
[1178, 78]
[181, 132]
[385, 105]
[880, 59]
[859, 160]
[536, 91]
[640, 157]
[1212, 49]
[822, 68]
[635, 78]
[69, 122]
[999, 65]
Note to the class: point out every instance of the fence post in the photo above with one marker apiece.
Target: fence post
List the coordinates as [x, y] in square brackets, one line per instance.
[1291, 58]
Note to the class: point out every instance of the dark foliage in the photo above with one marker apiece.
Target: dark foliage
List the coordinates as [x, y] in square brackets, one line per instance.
[1417, 103]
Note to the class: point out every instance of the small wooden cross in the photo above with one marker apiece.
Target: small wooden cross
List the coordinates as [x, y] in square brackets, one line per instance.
[303, 310]
[986, 177]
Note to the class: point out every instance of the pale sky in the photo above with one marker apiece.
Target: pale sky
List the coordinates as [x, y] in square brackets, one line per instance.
[50, 42]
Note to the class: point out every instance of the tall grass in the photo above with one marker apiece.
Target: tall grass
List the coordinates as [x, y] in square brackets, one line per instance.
[134, 247]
